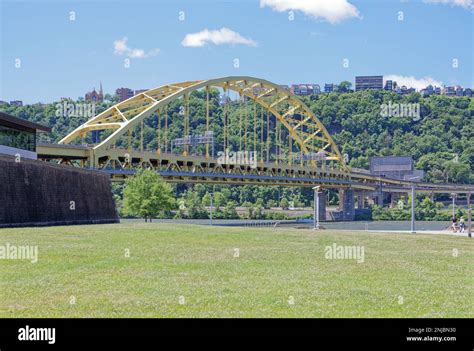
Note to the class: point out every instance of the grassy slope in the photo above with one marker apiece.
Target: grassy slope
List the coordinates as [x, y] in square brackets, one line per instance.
[169, 261]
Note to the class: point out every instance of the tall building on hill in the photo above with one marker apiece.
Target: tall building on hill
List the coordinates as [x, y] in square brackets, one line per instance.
[368, 82]
[328, 88]
[449, 91]
[389, 85]
[305, 89]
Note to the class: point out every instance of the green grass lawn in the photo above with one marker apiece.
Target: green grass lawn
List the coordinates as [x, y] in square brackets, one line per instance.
[275, 267]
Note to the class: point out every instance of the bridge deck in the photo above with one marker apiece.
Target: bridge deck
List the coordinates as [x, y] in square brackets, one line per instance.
[199, 169]
[62, 151]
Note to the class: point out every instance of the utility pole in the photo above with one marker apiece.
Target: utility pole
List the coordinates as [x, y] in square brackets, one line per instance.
[453, 195]
[469, 215]
[413, 195]
[210, 213]
[413, 207]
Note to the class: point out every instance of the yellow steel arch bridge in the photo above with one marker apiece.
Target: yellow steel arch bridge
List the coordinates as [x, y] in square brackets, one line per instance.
[276, 117]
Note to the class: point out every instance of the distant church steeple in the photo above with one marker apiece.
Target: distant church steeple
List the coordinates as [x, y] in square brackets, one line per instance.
[94, 95]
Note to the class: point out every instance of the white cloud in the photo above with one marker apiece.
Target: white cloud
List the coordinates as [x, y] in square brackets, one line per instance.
[412, 82]
[121, 48]
[333, 11]
[217, 37]
[467, 4]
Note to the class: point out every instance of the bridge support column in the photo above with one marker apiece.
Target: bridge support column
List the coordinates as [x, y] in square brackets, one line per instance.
[346, 203]
[360, 200]
[322, 204]
[378, 200]
[92, 159]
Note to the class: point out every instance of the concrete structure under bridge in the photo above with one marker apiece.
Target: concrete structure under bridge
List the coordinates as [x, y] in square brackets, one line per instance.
[268, 116]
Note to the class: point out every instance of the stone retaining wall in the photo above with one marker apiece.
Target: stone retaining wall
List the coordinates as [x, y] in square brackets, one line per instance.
[35, 193]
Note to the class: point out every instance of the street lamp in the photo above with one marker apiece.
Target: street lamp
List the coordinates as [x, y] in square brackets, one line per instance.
[469, 214]
[413, 203]
[212, 195]
[453, 195]
[316, 208]
[413, 207]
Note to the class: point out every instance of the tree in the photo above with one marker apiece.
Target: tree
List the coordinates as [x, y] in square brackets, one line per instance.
[147, 195]
[226, 193]
[271, 203]
[427, 208]
[344, 86]
[230, 211]
[456, 172]
[284, 203]
[259, 202]
[194, 206]
[206, 199]
[247, 204]
[219, 199]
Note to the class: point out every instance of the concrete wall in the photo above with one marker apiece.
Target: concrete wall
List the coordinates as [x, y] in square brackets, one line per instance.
[39, 193]
[8, 150]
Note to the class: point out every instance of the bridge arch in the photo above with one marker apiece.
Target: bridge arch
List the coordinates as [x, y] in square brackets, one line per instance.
[307, 130]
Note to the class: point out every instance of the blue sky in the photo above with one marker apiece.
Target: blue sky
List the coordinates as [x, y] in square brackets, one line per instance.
[64, 58]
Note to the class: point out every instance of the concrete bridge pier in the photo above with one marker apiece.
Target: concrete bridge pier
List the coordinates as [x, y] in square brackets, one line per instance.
[322, 204]
[360, 200]
[346, 204]
[380, 199]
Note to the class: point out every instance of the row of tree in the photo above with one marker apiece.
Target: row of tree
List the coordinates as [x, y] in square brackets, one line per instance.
[148, 196]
